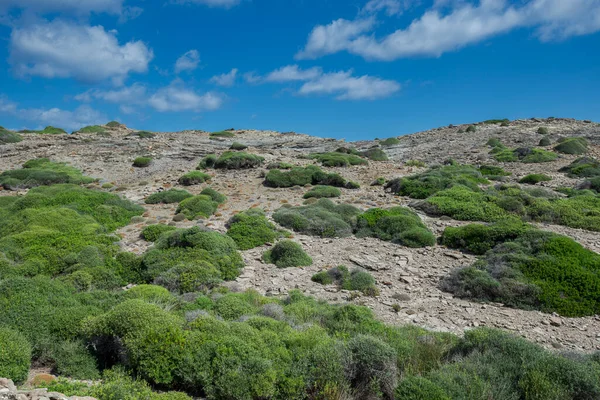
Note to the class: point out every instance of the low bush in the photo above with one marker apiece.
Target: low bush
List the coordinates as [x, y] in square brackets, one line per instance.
[526, 268]
[222, 134]
[323, 192]
[576, 145]
[471, 128]
[143, 134]
[151, 233]
[198, 206]
[583, 167]
[493, 142]
[214, 195]
[194, 178]
[42, 172]
[251, 229]
[337, 159]
[352, 185]
[142, 162]
[73, 359]
[15, 355]
[208, 161]
[287, 254]
[299, 176]
[114, 124]
[280, 165]
[168, 196]
[356, 280]
[525, 154]
[389, 142]
[238, 160]
[49, 130]
[543, 130]
[238, 146]
[533, 179]
[379, 181]
[397, 224]
[7, 136]
[92, 129]
[492, 172]
[545, 142]
[375, 154]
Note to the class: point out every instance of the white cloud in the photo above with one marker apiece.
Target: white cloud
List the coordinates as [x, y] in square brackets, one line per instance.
[188, 61]
[347, 87]
[65, 49]
[71, 120]
[134, 94]
[252, 77]
[293, 73]
[391, 7]
[175, 97]
[437, 31]
[227, 79]
[69, 6]
[211, 3]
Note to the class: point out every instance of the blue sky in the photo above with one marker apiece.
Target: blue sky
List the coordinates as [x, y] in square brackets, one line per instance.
[346, 69]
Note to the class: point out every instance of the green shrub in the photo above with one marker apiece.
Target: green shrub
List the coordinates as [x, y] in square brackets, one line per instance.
[532, 179]
[222, 134]
[478, 239]
[92, 129]
[238, 160]
[214, 195]
[544, 142]
[356, 280]
[336, 159]
[375, 154]
[352, 185]
[7, 136]
[168, 196]
[286, 254]
[526, 155]
[41, 172]
[298, 176]
[423, 185]
[15, 355]
[496, 121]
[493, 142]
[238, 146]
[543, 130]
[197, 206]
[74, 360]
[584, 167]
[323, 192]
[143, 134]
[280, 165]
[379, 181]
[151, 233]
[193, 178]
[49, 130]
[419, 388]
[576, 145]
[208, 161]
[142, 162]
[389, 142]
[251, 229]
[471, 128]
[397, 224]
[114, 124]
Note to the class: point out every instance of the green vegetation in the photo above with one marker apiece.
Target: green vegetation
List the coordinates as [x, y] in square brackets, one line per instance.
[151, 233]
[202, 206]
[397, 224]
[40, 172]
[471, 128]
[7, 136]
[235, 160]
[492, 172]
[576, 145]
[92, 129]
[358, 280]
[583, 167]
[299, 176]
[49, 130]
[214, 195]
[15, 355]
[389, 142]
[496, 121]
[533, 179]
[194, 178]
[544, 142]
[375, 154]
[222, 134]
[280, 165]
[114, 124]
[321, 191]
[143, 134]
[287, 254]
[238, 146]
[493, 142]
[338, 159]
[379, 181]
[208, 161]
[526, 268]
[250, 229]
[524, 154]
[168, 196]
[543, 130]
[142, 162]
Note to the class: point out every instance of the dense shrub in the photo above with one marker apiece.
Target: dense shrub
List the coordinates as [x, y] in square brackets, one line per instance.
[389, 142]
[379, 181]
[576, 145]
[15, 355]
[525, 154]
[251, 229]
[323, 192]
[142, 162]
[114, 124]
[73, 359]
[542, 130]
[419, 388]
[208, 161]
[92, 129]
[238, 160]
[494, 142]
[49, 130]
[40, 172]
[544, 142]
[7, 136]
[280, 165]
[222, 134]
[497, 121]
[238, 146]
[526, 268]
[168, 196]
[532, 179]
[397, 224]
[337, 159]
[151, 233]
[352, 185]
[286, 254]
[471, 128]
[356, 280]
[214, 195]
[375, 154]
[198, 206]
[193, 178]
[584, 167]
[323, 218]
[299, 176]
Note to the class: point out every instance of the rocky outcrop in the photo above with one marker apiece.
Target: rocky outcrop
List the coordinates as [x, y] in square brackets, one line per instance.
[8, 391]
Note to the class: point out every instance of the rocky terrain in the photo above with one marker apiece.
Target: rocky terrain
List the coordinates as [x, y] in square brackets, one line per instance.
[406, 277]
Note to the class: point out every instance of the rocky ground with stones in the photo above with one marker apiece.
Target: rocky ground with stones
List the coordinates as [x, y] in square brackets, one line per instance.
[407, 278]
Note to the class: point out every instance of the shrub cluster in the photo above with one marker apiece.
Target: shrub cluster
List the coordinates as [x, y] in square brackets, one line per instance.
[251, 228]
[583, 167]
[301, 176]
[142, 162]
[389, 142]
[321, 191]
[49, 130]
[92, 129]
[575, 145]
[143, 134]
[375, 154]
[151, 233]
[193, 178]
[233, 160]
[526, 268]
[532, 179]
[15, 355]
[523, 154]
[207, 162]
[41, 172]
[358, 279]
[7, 136]
[114, 124]
[222, 134]
[338, 159]
[168, 196]
[204, 205]
[397, 224]
[238, 146]
[287, 254]
[503, 122]
[280, 165]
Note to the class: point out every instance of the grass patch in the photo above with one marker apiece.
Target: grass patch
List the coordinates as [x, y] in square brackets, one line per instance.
[142, 162]
[533, 179]
[358, 279]
[42, 172]
[576, 145]
[320, 192]
[168, 196]
[287, 254]
[194, 178]
[299, 176]
[337, 159]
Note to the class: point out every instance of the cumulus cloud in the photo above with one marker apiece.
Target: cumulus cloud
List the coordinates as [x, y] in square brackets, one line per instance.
[210, 3]
[188, 61]
[131, 95]
[343, 84]
[82, 116]
[452, 27]
[227, 79]
[176, 97]
[391, 7]
[65, 49]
